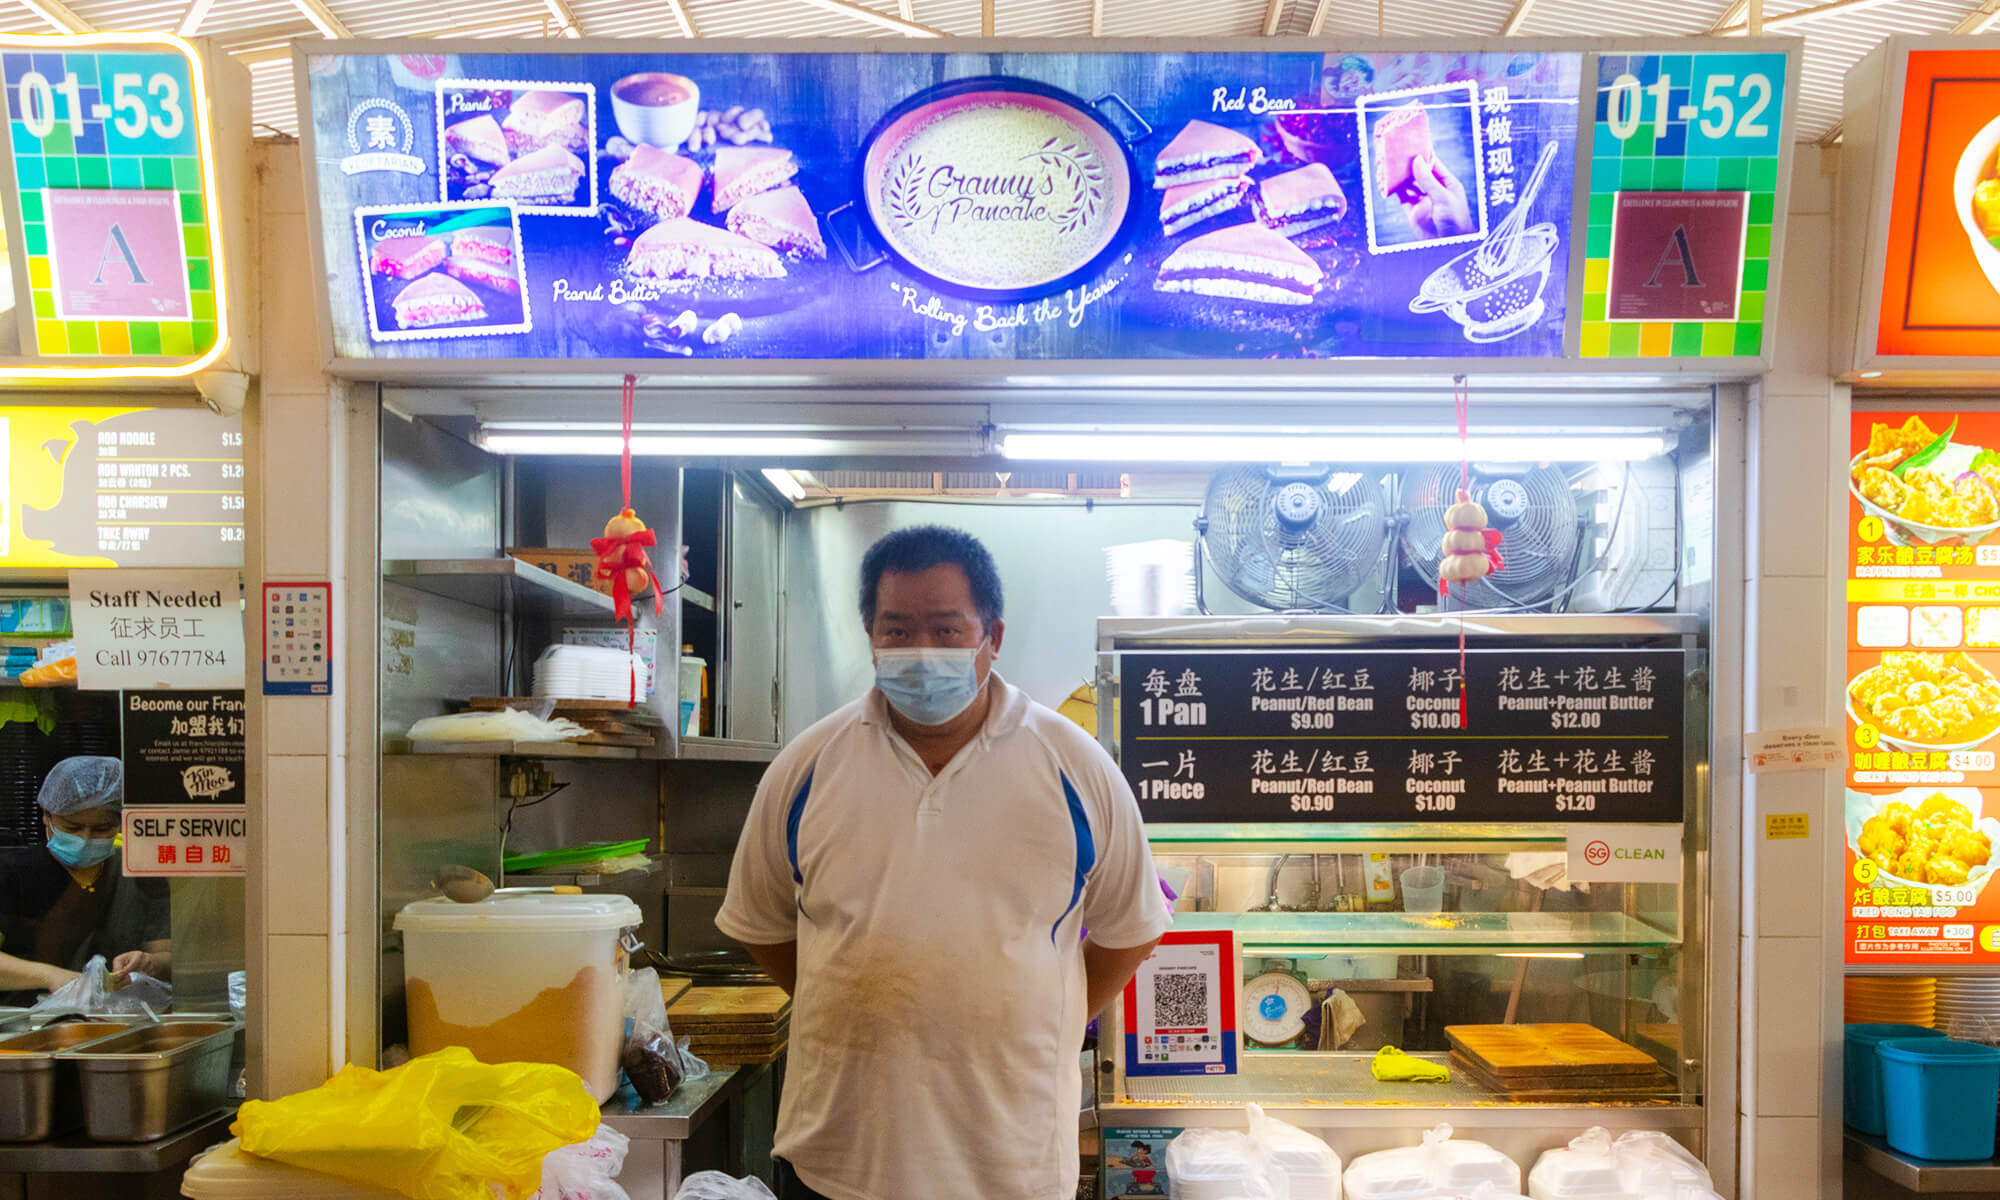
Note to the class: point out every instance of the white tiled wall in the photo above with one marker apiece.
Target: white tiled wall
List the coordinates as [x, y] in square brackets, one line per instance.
[1789, 1119]
[298, 913]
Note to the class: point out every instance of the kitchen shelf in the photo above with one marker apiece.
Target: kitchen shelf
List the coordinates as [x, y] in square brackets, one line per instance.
[1283, 933]
[710, 749]
[1923, 1175]
[1280, 837]
[514, 749]
[488, 582]
[1337, 1080]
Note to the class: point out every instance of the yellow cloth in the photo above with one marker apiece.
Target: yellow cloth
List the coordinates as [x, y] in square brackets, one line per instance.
[1393, 1066]
[440, 1127]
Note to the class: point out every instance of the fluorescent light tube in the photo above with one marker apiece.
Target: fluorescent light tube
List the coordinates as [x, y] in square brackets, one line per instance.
[786, 484]
[1108, 446]
[675, 445]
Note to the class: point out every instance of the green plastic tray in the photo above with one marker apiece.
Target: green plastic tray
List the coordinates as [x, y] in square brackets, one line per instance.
[573, 855]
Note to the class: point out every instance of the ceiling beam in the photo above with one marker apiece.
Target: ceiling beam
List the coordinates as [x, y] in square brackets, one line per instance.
[1980, 19]
[1319, 18]
[1274, 12]
[1733, 15]
[1096, 18]
[1832, 137]
[906, 9]
[1802, 16]
[58, 15]
[860, 13]
[252, 58]
[1517, 18]
[197, 12]
[566, 23]
[985, 18]
[320, 15]
[686, 19]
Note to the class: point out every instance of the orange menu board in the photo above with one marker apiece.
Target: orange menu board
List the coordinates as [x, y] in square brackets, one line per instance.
[1922, 813]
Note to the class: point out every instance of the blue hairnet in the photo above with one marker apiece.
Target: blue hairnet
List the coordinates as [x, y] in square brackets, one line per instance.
[86, 781]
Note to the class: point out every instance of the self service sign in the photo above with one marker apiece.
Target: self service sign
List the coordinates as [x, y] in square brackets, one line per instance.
[112, 209]
[186, 840]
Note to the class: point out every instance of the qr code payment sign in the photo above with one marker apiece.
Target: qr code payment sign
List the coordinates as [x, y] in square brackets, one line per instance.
[1182, 1000]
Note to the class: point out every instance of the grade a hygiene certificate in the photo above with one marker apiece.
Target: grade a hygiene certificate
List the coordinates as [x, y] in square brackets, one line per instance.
[1180, 1009]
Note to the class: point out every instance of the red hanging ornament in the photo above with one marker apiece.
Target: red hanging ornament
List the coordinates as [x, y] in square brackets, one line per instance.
[621, 552]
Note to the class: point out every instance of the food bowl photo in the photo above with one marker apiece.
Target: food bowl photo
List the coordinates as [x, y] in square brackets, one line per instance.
[1864, 806]
[1978, 162]
[1955, 460]
[1900, 675]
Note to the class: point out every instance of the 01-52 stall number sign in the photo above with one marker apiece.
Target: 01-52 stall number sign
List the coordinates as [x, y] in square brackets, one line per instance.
[1922, 695]
[1375, 735]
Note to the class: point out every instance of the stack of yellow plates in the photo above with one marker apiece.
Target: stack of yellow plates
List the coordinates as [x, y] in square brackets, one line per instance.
[1891, 1000]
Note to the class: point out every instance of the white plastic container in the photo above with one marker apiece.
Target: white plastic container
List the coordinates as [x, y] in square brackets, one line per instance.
[224, 1172]
[1298, 1165]
[522, 976]
[1440, 1167]
[1575, 1174]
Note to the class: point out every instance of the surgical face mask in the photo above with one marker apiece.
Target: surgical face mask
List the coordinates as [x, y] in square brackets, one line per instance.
[73, 851]
[929, 685]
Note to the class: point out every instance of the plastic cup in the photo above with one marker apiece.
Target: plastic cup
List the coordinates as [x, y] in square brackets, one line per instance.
[1423, 890]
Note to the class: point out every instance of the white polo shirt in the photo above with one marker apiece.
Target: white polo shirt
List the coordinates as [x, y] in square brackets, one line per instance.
[940, 1001]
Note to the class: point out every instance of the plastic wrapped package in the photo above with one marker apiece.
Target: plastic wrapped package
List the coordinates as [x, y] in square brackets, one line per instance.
[1218, 1164]
[1640, 1165]
[96, 992]
[714, 1185]
[1298, 1165]
[1439, 1167]
[588, 1170]
[507, 725]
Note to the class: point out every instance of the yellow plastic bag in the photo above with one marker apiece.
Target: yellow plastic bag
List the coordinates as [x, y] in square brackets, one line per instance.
[440, 1127]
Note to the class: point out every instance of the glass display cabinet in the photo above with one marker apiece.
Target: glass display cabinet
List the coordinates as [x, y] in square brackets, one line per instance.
[1434, 917]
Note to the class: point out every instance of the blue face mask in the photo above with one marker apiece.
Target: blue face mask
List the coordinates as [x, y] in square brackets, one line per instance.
[73, 851]
[928, 685]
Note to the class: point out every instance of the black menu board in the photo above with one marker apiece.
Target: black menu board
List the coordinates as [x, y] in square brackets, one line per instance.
[1374, 735]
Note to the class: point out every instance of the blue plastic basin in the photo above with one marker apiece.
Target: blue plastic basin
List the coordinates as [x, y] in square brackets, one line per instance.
[1864, 1071]
[1939, 1096]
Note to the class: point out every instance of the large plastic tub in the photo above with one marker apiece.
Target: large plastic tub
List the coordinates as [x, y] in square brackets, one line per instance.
[1939, 1097]
[1863, 1081]
[521, 976]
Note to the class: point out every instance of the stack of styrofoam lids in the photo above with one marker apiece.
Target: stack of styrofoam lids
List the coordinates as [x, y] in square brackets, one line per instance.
[1968, 1008]
[1891, 1000]
[588, 673]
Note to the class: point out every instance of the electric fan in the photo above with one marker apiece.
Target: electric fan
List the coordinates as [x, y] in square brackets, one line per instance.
[1294, 538]
[1535, 511]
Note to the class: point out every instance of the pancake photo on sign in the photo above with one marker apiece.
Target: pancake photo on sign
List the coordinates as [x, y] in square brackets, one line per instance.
[442, 270]
[530, 144]
[1422, 168]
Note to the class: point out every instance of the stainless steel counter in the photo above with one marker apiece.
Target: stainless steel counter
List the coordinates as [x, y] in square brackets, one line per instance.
[75, 1153]
[1923, 1175]
[655, 1164]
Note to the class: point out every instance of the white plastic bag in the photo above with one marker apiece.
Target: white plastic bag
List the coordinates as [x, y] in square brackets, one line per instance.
[1439, 1167]
[1297, 1165]
[714, 1185]
[1218, 1164]
[507, 725]
[587, 1170]
[91, 994]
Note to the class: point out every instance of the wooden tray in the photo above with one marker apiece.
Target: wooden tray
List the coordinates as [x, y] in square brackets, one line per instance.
[1565, 1087]
[700, 1029]
[728, 1059]
[672, 989]
[756, 1045]
[1545, 1051]
[730, 1006]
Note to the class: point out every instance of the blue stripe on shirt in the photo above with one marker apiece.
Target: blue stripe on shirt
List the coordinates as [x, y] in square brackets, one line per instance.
[792, 816]
[1086, 850]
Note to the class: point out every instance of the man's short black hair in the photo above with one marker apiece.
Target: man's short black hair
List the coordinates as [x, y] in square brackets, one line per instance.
[921, 547]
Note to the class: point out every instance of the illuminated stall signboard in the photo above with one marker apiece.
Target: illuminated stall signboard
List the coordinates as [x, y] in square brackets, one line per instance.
[1686, 168]
[1922, 695]
[113, 213]
[121, 487]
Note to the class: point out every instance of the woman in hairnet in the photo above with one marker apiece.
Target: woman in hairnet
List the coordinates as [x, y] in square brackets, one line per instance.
[66, 901]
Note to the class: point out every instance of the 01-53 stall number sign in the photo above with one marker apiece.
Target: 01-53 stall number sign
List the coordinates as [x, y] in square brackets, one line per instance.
[1374, 735]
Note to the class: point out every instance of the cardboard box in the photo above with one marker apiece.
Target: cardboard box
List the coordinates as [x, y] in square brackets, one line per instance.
[577, 566]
